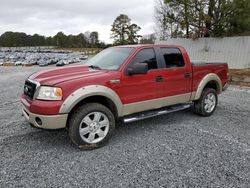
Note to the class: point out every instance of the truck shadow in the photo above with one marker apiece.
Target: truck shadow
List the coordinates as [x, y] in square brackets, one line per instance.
[44, 140]
[152, 124]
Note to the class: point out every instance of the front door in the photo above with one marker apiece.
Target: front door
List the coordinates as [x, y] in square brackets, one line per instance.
[142, 91]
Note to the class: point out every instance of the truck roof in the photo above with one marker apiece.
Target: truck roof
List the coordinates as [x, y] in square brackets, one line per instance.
[147, 45]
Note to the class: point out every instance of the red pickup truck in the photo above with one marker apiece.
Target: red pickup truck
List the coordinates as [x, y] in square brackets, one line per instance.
[123, 83]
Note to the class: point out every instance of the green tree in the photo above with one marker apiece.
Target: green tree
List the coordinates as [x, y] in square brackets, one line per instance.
[133, 37]
[94, 38]
[123, 32]
[202, 18]
[50, 41]
[38, 40]
[81, 40]
[61, 39]
[237, 16]
[169, 22]
[180, 14]
[8, 39]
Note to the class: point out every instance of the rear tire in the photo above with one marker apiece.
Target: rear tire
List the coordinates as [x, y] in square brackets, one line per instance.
[91, 126]
[207, 103]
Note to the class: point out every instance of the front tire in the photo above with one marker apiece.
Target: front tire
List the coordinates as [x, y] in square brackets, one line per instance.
[91, 126]
[207, 103]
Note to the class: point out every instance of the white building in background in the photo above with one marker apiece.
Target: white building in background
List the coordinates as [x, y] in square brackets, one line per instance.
[233, 50]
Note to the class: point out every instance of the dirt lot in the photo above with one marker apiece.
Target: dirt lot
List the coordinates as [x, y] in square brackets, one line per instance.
[240, 77]
[173, 150]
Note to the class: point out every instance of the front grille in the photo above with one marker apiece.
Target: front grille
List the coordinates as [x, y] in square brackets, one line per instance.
[29, 89]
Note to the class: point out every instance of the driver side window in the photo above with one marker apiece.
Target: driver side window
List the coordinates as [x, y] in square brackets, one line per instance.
[146, 56]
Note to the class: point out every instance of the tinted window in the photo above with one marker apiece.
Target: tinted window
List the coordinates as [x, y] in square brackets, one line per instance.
[173, 57]
[146, 56]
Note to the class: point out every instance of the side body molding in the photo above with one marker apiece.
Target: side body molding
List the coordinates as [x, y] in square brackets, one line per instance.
[88, 91]
[209, 77]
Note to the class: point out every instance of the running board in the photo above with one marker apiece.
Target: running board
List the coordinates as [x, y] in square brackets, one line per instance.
[153, 113]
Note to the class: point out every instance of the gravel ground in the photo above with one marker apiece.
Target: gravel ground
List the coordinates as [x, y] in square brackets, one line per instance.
[174, 150]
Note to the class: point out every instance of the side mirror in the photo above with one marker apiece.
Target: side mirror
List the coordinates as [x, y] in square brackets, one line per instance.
[138, 68]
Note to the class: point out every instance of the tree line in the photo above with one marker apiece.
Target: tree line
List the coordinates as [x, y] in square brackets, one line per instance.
[202, 18]
[17, 39]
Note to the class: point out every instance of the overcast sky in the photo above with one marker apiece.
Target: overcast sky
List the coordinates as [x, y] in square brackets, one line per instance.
[47, 17]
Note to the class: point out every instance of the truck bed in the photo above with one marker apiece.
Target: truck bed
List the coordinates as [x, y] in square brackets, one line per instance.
[200, 69]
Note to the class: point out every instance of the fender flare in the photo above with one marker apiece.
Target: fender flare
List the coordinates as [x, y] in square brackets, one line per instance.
[88, 91]
[208, 78]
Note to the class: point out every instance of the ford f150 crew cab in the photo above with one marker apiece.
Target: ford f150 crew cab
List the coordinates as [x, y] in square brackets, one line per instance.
[125, 83]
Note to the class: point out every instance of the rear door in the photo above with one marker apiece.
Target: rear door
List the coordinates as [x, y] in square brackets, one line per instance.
[177, 74]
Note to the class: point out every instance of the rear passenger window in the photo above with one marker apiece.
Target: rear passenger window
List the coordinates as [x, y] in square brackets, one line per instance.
[146, 56]
[173, 57]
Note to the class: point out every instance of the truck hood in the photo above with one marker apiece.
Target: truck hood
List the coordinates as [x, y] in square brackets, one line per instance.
[59, 75]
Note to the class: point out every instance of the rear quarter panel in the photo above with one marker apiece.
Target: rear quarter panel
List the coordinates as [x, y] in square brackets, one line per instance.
[200, 71]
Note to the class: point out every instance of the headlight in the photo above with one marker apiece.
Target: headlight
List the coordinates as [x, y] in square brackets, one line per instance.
[49, 93]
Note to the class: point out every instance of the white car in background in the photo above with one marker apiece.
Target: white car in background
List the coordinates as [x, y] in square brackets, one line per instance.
[85, 57]
[63, 62]
[17, 63]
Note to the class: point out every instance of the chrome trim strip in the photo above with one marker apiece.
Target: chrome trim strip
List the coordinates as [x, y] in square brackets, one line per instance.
[38, 85]
[34, 82]
[114, 81]
[149, 114]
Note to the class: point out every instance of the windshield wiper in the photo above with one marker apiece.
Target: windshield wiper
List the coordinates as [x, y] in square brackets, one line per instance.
[95, 67]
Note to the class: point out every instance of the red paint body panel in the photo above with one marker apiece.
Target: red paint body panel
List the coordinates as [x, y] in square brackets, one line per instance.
[200, 71]
[53, 77]
[137, 88]
[131, 88]
[42, 107]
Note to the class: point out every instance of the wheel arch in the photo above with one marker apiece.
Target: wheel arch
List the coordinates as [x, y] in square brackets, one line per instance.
[93, 93]
[211, 80]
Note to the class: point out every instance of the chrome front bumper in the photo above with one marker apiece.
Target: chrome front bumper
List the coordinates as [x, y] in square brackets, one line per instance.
[45, 121]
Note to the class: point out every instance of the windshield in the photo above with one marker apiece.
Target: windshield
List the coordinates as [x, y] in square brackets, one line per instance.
[110, 59]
